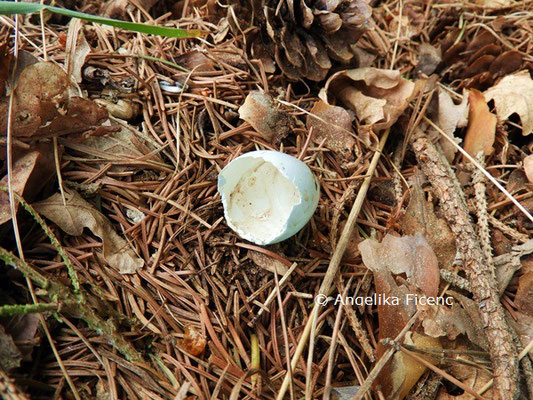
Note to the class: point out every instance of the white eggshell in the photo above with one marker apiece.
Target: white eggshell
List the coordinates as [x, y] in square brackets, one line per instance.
[267, 196]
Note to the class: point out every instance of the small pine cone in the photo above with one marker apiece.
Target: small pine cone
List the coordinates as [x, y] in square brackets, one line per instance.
[305, 37]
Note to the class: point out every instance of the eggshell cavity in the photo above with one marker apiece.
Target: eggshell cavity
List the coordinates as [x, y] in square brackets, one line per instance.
[267, 196]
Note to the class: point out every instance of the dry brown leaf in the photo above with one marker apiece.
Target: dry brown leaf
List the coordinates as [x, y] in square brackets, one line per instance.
[420, 218]
[481, 126]
[42, 104]
[195, 61]
[471, 375]
[76, 49]
[10, 356]
[412, 256]
[267, 262]
[79, 214]
[377, 96]
[461, 318]
[514, 94]
[429, 57]
[451, 117]
[409, 255]
[260, 111]
[524, 294]
[528, 167]
[32, 170]
[333, 127]
[405, 371]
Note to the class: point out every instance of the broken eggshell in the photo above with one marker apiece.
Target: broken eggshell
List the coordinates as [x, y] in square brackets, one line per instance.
[267, 196]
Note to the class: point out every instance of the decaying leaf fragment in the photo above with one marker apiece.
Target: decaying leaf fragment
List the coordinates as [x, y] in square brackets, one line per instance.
[267, 262]
[32, 170]
[451, 117]
[79, 214]
[412, 256]
[377, 96]
[528, 167]
[481, 126]
[333, 126]
[420, 218]
[514, 94]
[260, 111]
[409, 255]
[42, 104]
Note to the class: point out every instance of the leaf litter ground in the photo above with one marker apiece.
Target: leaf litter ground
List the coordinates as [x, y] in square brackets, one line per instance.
[164, 301]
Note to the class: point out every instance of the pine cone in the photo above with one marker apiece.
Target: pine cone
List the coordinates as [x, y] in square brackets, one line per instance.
[305, 37]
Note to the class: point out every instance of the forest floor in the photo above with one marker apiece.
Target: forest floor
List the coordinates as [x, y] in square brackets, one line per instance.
[122, 279]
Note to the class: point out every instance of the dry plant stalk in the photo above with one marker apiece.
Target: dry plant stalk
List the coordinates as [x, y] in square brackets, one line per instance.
[482, 279]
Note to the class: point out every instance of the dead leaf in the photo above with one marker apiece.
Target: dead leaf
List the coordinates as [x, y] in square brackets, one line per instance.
[106, 148]
[270, 264]
[524, 294]
[377, 96]
[429, 57]
[528, 167]
[32, 170]
[410, 255]
[79, 214]
[260, 111]
[76, 49]
[193, 341]
[10, 356]
[333, 126]
[471, 375]
[195, 61]
[5, 62]
[481, 126]
[42, 104]
[451, 117]
[24, 329]
[405, 371]
[514, 94]
[420, 218]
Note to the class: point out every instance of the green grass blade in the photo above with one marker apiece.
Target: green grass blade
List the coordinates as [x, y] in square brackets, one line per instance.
[10, 8]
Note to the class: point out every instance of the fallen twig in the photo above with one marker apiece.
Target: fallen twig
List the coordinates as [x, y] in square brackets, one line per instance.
[482, 279]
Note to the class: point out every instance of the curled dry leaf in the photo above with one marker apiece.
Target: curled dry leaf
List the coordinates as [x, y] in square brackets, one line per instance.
[76, 49]
[528, 167]
[42, 104]
[260, 111]
[193, 341]
[267, 262]
[405, 371]
[79, 214]
[514, 94]
[451, 117]
[31, 172]
[333, 126]
[481, 126]
[377, 96]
